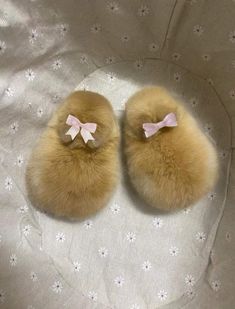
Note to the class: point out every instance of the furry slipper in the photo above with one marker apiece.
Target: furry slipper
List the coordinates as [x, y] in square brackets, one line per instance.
[73, 169]
[171, 163]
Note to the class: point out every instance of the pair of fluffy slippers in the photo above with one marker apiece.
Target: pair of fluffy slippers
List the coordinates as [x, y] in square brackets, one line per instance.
[74, 167]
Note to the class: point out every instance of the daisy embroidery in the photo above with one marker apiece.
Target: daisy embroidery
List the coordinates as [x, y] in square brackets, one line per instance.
[162, 295]
[60, 237]
[123, 102]
[216, 285]
[2, 47]
[143, 10]
[115, 208]
[19, 160]
[33, 36]
[206, 57]
[22, 209]
[131, 236]
[189, 280]
[8, 183]
[83, 59]
[9, 92]
[84, 86]
[208, 128]
[13, 260]
[111, 77]
[112, 6]
[232, 36]
[63, 29]
[212, 254]
[76, 266]
[198, 30]
[125, 38]
[232, 94]
[146, 266]
[30, 75]
[190, 293]
[174, 251]
[88, 224]
[96, 28]
[153, 47]
[110, 60]
[33, 276]
[56, 65]
[200, 236]
[187, 210]
[39, 112]
[176, 56]
[26, 230]
[157, 222]
[177, 77]
[223, 154]
[211, 196]
[119, 281]
[92, 296]
[2, 296]
[55, 98]
[210, 81]
[193, 102]
[57, 287]
[138, 64]
[228, 236]
[103, 252]
[14, 127]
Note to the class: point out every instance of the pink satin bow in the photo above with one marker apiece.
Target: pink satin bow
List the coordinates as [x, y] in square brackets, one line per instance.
[152, 128]
[77, 126]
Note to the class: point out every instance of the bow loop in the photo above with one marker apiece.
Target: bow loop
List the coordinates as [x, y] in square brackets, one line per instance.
[90, 126]
[77, 126]
[152, 128]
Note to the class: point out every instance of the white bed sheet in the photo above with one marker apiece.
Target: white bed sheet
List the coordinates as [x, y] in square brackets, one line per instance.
[128, 255]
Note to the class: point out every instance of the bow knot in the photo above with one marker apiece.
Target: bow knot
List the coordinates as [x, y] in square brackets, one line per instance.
[152, 128]
[77, 126]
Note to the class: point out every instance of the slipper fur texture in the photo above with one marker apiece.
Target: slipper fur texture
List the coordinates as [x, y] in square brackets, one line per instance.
[176, 166]
[71, 178]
